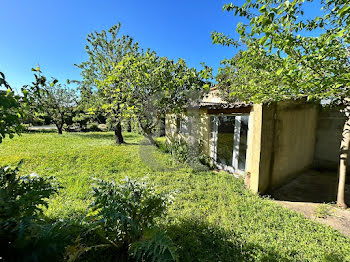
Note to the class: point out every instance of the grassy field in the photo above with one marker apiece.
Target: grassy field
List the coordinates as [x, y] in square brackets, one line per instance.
[212, 218]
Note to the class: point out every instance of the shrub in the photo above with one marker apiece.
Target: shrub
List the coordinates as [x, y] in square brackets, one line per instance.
[25, 233]
[122, 221]
[181, 151]
[206, 160]
[93, 127]
[186, 153]
[155, 246]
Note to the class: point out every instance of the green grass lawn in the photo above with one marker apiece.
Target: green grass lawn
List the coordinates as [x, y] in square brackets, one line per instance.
[212, 218]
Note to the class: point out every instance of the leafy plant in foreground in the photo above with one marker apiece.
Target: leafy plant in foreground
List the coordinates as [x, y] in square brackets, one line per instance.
[122, 222]
[154, 246]
[25, 234]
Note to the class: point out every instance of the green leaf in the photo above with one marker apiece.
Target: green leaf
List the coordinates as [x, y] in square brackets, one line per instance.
[344, 10]
[262, 9]
[340, 33]
[263, 40]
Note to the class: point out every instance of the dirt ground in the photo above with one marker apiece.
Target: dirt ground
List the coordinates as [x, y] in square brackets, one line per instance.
[313, 194]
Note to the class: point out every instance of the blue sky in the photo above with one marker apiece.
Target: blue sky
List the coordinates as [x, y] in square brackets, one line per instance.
[52, 34]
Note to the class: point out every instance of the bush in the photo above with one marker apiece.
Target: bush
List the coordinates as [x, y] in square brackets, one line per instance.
[93, 127]
[181, 151]
[26, 235]
[155, 246]
[185, 153]
[121, 224]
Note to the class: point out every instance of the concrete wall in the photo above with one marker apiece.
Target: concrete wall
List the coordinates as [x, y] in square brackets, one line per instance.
[172, 132]
[254, 147]
[204, 131]
[281, 143]
[295, 137]
[329, 134]
[170, 127]
[213, 97]
[200, 129]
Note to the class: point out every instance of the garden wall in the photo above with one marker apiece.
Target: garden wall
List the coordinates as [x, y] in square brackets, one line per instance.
[281, 143]
[328, 137]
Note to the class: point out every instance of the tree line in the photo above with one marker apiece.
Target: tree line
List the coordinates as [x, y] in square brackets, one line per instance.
[121, 82]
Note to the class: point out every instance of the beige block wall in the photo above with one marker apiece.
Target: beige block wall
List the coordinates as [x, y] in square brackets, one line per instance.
[260, 145]
[170, 127]
[267, 146]
[295, 137]
[204, 131]
[281, 142]
[200, 135]
[254, 148]
[213, 97]
[171, 132]
[329, 134]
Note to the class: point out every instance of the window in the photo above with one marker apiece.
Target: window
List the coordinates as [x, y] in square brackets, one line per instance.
[229, 134]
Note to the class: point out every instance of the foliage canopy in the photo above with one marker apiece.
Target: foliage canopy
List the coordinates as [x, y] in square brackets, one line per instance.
[11, 112]
[153, 86]
[303, 56]
[54, 99]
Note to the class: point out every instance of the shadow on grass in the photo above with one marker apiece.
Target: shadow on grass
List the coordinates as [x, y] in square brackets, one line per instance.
[45, 131]
[110, 136]
[95, 135]
[200, 241]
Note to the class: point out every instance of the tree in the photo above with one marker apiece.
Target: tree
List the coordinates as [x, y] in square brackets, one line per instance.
[56, 100]
[251, 76]
[152, 86]
[11, 111]
[309, 56]
[83, 114]
[105, 51]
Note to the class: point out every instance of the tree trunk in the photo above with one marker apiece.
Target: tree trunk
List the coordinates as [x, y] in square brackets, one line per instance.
[118, 134]
[149, 137]
[344, 152]
[129, 125]
[59, 128]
